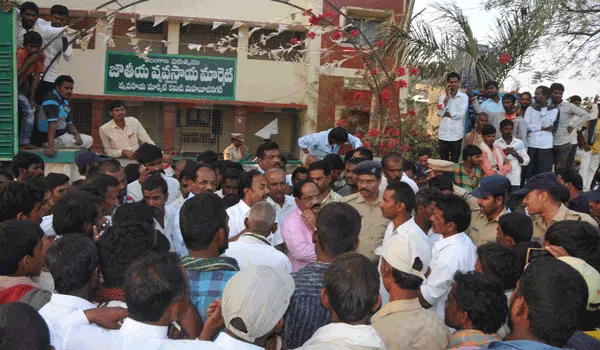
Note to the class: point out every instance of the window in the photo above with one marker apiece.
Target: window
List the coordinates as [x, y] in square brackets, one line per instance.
[368, 27]
[199, 129]
[203, 34]
[274, 43]
[145, 31]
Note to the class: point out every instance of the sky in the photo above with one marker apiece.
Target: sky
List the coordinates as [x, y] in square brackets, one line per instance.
[480, 23]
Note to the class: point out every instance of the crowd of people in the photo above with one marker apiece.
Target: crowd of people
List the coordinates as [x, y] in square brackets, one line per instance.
[494, 246]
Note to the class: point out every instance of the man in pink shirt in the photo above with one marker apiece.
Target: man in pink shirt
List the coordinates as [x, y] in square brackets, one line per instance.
[493, 159]
[300, 225]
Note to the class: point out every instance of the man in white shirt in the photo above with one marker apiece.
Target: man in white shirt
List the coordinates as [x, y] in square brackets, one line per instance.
[454, 252]
[157, 295]
[253, 247]
[329, 141]
[156, 195]
[320, 173]
[284, 205]
[516, 153]
[453, 111]
[150, 158]
[540, 123]
[392, 169]
[397, 205]
[73, 261]
[254, 302]
[253, 188]
[122, 136]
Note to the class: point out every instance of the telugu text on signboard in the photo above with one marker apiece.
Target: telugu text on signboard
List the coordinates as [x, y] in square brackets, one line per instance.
[175, 76]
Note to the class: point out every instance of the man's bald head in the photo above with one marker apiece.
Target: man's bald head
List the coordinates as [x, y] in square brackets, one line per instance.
[309, 159]
[261, 219]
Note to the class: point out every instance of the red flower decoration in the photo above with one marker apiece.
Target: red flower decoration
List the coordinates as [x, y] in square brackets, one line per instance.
[392, 144]
[379, 43]
[328, 14]
[314, 20]
[440, 106]
[337, 35]
[411, 112]
[373, 71]
[359, 135]
[312, 35]
[382, 145]
[294, 41]
[400, 71]
[405, 147]
[504, 58]
[358, 96]
[374, 133]
[342, 123]
[413, 132]
[414, 71]
[354, 33]
[385, 95]
[367, 144]
[428, 136]
[396, 133]
[402, 84]
[307, 12]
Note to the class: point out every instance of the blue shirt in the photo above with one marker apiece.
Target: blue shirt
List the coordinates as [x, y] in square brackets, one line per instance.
[520, 345]
[305, 314]
[490, 106]
[55, 109]
[318, 144]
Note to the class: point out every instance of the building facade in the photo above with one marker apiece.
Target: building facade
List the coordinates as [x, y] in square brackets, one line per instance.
[208, 71]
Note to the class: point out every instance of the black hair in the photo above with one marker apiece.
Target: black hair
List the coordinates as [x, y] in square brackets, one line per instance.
[426, 196]
[563, 194]
[299, 186]
[320, 165]
[130, 212]
[509, 97]
[338, 226]
[152, 284]
[517, 226]
[92, 171]
[352, 286]
[246, 179]
[231, 174]
[455, 210]
[59, 10]
[488, 129]
[557, 86]
[364, 152]
[491, 83]
[18, 239]
[30, 6]
[23, 160]
[482, 298]
[62, 79]
[54, 180]
[227, 164]
[32, 38]
[571, 176]
[575, 98]
[356, 160]
[526, 93]
[425, 151]
[556, 296]
[521, 249]
[349, 155]
[132, 172]
[470, 151]
[442, 182]
[115, 104]
[505, 123]
[16, 197]
[299, 170]
[22, 328]
[403, 193]
[201, 217]
[501, 263]
[74, 210]
[579, 238]
[452, 75]
[390, 156]
[110, 166]
[119, 246]
[7, 175]
[335, 161]
[264, 147]
[189, 171]
[544, 90]
[208, 157]
[148, 153]
[408, 281]
[72, 261]
[102, 182]
[338, 134]
[407, 165]
[155, 181]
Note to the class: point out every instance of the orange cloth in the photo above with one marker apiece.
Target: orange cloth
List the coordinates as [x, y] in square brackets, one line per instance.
[37, 67]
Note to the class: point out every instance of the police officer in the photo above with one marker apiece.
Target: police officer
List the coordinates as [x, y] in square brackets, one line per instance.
[491, 197]
[543, 204]
[235, 151]
[366, 202]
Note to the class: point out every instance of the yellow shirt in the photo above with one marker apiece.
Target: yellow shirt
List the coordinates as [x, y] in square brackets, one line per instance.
[596, 145]
[563, 213]
[482, 230]
[232, 153]
[115, 139]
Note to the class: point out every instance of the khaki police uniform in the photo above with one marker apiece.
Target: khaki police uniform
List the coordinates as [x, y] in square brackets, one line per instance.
[332, 197]
[232, 153]
[563, 213]
[373, 224]
[482, 230]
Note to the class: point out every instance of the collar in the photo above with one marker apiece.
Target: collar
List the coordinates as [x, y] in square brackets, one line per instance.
[361, 199]
[472, 337]
[60, 99]
[446, 242]
[288, 201]
[226, 341]
[71, 301]
[254, 238]
[242, 206]
[482, 215]
[134, 327]
[397, 306]
[114, 125]
[560, 214]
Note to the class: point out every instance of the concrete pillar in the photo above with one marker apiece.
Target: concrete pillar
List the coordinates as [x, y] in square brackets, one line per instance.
[173, 37]
[309, 117]
[169, 119]
[97, 122]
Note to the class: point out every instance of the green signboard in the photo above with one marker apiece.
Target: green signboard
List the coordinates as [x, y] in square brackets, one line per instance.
[175, 76]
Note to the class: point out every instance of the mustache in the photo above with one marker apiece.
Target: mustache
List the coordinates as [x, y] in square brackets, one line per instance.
[316, 206]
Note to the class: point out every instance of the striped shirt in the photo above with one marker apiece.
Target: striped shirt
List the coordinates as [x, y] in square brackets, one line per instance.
[471, 337]
[305, 314]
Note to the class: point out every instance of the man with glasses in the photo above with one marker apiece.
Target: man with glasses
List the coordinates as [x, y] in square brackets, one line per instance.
[366, 201]
[299, 227]
[284, 205]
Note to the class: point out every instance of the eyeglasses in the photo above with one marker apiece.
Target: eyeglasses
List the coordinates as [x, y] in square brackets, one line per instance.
[310, 199]
[205, 183]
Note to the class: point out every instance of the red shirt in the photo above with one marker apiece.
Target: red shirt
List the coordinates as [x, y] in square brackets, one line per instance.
[37, 68]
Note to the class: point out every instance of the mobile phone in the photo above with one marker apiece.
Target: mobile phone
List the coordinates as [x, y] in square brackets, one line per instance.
[534, 253]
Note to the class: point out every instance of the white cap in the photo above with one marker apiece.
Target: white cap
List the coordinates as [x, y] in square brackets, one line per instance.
[259, 295]
[402, 250]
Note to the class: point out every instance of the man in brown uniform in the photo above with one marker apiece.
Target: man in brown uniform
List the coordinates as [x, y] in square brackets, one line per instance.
[491, 197]
[366, 202]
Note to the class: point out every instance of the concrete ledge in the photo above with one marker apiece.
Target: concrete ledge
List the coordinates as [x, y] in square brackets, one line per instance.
[63, 162]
